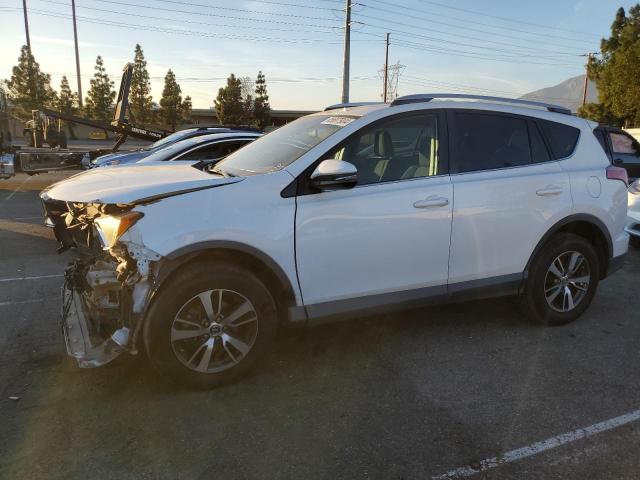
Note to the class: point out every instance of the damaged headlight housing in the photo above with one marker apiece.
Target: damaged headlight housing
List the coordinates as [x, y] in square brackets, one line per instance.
[111, 227]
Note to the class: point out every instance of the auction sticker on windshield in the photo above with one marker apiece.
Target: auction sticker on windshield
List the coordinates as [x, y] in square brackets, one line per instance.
[338, 121]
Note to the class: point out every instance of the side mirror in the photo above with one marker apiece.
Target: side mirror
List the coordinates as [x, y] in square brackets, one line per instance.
[334, 175]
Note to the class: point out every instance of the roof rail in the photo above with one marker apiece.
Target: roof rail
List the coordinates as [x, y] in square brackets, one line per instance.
[350, 104]
[427, 97]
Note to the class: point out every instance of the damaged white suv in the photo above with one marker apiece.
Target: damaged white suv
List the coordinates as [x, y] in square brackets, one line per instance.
[360, 208]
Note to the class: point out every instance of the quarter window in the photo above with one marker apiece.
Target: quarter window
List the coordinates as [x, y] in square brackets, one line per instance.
[562, 138]
[486, 142]
[396, 149]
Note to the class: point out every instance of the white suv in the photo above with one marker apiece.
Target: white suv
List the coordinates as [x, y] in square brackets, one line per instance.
[356, 209]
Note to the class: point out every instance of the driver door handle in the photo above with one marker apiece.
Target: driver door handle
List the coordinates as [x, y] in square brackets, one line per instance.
[432, 201]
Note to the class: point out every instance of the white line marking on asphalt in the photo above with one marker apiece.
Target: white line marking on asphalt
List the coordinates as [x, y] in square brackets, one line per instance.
[29, 278]
[539, 447]
[10, 196]
[39, 217]
[21, 302]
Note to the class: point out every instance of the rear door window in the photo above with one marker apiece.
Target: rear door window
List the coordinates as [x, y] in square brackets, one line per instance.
[562, 138]
[484, 142]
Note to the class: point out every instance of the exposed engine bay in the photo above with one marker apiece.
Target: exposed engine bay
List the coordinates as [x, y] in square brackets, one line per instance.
[108, 284]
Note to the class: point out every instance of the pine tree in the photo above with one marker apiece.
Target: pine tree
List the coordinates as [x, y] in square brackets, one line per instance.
[139, 94]
[171, 102]
[229, 105]
[617, 74]
[67, 102]
[261, 107]
[28, 87]
[185, 109]
[101, 94]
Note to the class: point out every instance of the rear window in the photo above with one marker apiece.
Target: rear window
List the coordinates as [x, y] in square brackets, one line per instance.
[562, 138]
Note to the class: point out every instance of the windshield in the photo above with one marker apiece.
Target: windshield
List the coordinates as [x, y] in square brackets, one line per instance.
[283, 146]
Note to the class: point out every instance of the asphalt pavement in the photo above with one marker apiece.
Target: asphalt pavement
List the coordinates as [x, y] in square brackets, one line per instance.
[470, 388]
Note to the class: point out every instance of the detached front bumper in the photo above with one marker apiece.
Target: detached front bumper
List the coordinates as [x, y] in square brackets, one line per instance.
[78, 334]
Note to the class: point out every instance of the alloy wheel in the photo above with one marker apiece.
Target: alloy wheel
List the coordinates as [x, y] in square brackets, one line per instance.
[214, 330]
[567, 281]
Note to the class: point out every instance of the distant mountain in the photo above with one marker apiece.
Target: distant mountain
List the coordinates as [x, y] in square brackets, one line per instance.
[568, 93]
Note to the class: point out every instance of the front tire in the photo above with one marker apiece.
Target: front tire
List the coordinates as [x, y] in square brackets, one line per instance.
[210, 324]
[562, 280]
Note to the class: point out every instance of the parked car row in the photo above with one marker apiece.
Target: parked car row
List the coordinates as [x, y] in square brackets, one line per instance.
[209, 143]
[355, 209]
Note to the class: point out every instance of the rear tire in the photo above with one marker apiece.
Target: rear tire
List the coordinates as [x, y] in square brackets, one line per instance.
[562, 282]
[202, 349]
[634, 242]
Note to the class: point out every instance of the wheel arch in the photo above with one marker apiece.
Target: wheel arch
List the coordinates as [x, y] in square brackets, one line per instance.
[267, 269]
[587, 226]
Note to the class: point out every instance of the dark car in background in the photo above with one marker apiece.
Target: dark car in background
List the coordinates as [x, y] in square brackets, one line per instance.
[122, 158]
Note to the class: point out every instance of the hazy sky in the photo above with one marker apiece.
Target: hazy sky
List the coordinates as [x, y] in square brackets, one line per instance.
[493, 47]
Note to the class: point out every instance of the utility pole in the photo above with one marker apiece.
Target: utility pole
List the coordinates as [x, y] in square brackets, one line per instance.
[75, 38]
[386, 70]
[586, 78]
[347, 49]
[26, 24]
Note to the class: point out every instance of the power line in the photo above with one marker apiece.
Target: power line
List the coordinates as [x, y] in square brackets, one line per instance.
[476, 55]
[504, 19]
[468, 54]
[192, 4]
[516, 53]
[424, 28]
[465, 21]
[181, 32]
[252, 27]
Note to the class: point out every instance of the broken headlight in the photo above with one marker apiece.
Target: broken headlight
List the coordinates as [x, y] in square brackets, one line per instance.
[110, 227]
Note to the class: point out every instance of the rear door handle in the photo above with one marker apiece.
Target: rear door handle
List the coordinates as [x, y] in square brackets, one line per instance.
[549, 190]
[432, 201]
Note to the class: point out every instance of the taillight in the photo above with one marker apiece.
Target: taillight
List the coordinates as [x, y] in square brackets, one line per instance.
[617, 173]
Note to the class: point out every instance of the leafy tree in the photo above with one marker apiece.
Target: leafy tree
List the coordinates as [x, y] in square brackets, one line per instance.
[229, 104]
[28, 87]
[101, 94]
[67, 102]
[139, 93]
[617, 73]
[261, 107]
[171, 101]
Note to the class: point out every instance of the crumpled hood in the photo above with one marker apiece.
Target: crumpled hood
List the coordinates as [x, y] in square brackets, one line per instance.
[133, 184]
